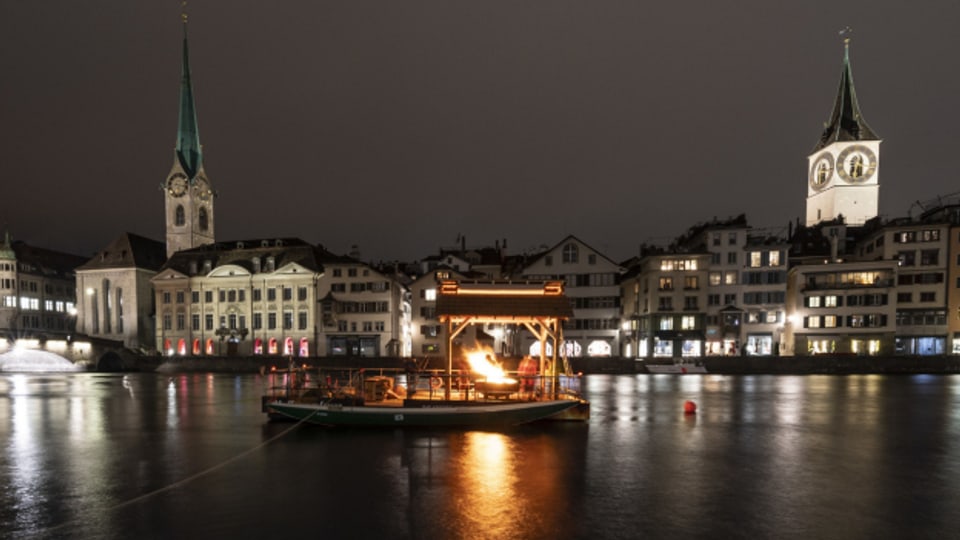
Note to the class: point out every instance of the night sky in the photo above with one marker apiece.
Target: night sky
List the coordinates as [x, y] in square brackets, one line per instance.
[395, 125]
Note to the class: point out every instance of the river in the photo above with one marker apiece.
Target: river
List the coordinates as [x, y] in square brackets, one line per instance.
[87, 455]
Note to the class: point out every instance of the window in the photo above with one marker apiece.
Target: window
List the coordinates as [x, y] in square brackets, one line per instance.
[830, 301]
[730, 278]
[813, 301]
[166, 297]
[287, 293]
[717, 237]
[180, 217]
[208, 296]
[688, 322]
[730, 299]
[257, 320]
[666, 323]
[287, 320]
[208, 321]
[691, 283]
[242, 295]
[907, 258]
[732, 239]
[351, 272]
[202, 219]
[430, 295]
[302, 320]
[774, 258]
[666, 284]
[181, 321]
[715, 278]
[271, 294]
[666, 304]
[195, 322]
[928, 297]
[830, 321]
[167, 322]
[368, 326]
[223, 295]
[756, 259]
[571, 253]
[713, 299]
[592, 259]
[232, 295]
[195, 297]
[813, 321]
[929, 257]
[732, 257]
[690, 303]
[257, 295]
[272, 320]
[301, 293]
[337, 272]
[905, 297]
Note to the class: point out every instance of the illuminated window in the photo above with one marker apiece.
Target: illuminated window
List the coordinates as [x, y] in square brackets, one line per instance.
[666, 323]
[666, 284]
[813, 301]
[813, 321]
[730, 278]
[715, 278]
[430, 295]
[830, 321]
[774, 258]
[830, 301]
[688, 322]
[755, 259]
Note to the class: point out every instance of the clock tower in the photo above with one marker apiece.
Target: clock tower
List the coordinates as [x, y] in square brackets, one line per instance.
[187, 191]
[843, 169]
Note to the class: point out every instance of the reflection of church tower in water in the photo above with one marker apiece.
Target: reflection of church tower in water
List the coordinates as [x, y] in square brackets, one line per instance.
[843, 168]
[187, 191]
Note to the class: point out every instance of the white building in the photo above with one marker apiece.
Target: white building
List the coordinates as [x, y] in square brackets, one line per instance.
[593, 287]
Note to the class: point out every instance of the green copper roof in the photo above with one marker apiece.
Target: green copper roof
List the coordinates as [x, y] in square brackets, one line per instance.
[846, 123]
[188, 131]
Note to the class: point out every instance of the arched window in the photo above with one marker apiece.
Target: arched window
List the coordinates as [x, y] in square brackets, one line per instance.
[181, 217]
[167, 347]
[571, 253]
[209, 347]
[288, 346]
[196, 347]
[304, 347]
[272, 346]
[258, 346]
[203, 218]
[182, 347]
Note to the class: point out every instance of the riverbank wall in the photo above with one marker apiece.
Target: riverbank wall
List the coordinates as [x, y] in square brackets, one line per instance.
[738, 365]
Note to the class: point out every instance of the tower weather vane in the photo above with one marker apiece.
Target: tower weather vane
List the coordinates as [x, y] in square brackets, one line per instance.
[846, 33]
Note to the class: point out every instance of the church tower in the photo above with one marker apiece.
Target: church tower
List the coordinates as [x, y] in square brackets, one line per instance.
[187, 191]
[843, 169]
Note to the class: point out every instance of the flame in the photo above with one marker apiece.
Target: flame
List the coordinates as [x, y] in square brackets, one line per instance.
[482, 361]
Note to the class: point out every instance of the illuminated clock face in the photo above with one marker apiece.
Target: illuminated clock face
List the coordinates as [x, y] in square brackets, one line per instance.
[177, 185]
[202, 188]
[856, 164]
[821, 171]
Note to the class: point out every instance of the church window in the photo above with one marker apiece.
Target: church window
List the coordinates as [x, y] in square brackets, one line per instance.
[181, 217]
[203, 218]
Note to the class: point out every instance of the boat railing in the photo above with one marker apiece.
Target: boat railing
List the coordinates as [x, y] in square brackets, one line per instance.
[395, 384]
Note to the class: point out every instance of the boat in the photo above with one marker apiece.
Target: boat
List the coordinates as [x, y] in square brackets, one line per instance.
[390, 398]
[676, 367]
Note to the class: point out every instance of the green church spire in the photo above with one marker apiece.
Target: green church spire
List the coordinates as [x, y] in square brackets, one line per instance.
[846, 122]
[189, 152]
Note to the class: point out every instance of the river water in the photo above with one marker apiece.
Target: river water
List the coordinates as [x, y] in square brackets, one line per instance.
[89, 455]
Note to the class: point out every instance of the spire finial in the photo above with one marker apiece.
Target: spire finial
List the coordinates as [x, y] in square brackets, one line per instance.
[183, 11]
[846, 33]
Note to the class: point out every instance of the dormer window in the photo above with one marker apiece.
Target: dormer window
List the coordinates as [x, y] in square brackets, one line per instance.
[270, 264]
[256, 265]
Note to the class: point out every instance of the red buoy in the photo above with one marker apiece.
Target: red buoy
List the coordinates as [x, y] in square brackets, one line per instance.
[689, 407]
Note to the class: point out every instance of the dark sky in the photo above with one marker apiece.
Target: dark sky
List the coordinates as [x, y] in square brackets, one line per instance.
[396, 125]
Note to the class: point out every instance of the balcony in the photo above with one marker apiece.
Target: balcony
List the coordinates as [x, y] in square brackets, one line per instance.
[879, 284]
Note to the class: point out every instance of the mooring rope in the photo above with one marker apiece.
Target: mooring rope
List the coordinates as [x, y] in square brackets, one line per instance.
[188, 479]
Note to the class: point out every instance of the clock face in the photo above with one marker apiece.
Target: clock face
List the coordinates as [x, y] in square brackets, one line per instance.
[856, 164]
[177, 185]
[821, 171]
[202, 188]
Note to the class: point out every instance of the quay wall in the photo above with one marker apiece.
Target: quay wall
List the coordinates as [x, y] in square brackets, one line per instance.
[734, 365]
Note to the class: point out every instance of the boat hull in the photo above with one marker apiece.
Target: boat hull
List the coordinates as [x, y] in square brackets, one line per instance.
[445, 415]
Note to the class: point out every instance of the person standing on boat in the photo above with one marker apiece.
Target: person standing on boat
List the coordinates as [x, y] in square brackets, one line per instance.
[413, 375]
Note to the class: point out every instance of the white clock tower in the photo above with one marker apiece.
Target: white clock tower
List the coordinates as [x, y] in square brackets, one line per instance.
[187, 191]
[843, 170]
